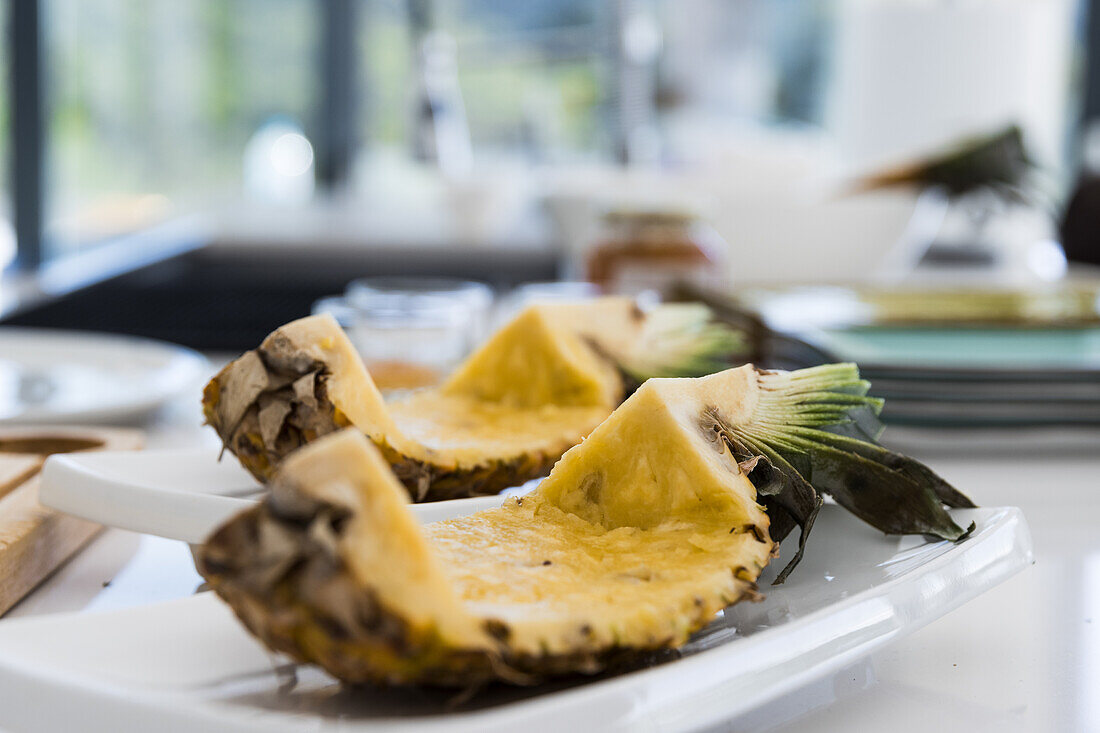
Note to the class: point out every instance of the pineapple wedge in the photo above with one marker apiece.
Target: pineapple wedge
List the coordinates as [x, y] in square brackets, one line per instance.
[665, 514]
[638, 537]
[535, 389]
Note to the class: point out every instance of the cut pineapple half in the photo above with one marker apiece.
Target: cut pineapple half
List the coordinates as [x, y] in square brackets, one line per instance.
[535, 389]
[639, 536]
[665, 514]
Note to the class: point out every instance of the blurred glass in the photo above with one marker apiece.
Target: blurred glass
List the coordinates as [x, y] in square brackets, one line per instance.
[562, 291]
[533, 75]
[411, 331]
[647, 248]
[151, 104]
[441, 135]
[557, 291]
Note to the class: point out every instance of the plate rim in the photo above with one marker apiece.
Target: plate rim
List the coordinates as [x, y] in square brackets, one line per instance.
[175, 356]
[1000, 549]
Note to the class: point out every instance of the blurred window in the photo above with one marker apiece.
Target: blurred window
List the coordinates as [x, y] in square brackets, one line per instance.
[160, 107]
[385, 51]
[150, 104]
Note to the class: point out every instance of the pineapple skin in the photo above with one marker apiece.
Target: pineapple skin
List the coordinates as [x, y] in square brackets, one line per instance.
[360, 642]
[424, 481]
[315, 571]
[315, 612]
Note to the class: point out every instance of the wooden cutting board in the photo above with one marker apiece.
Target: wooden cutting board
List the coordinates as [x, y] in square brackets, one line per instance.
[34, 540]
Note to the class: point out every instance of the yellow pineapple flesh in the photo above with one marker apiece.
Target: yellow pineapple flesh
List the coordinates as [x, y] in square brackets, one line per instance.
[529, 394]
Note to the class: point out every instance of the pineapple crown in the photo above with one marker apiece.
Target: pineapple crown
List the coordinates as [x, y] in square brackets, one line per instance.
[681, 340]
[815, 431]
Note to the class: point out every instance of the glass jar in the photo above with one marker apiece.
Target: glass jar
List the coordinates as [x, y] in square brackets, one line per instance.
[562, 291]
[411, 331]
[641, 250]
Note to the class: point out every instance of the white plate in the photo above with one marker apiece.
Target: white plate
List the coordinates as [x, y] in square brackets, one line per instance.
[70, 376]
[178, 494]
[189, 665]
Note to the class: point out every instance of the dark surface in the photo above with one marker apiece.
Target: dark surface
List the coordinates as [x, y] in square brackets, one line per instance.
[229, 301]
[1080, 225]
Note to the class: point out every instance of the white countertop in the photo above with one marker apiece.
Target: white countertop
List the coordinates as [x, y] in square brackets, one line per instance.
[1022, 657]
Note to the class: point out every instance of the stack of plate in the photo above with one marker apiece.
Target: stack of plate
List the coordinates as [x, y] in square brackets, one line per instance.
[954, 358]
[976, 377]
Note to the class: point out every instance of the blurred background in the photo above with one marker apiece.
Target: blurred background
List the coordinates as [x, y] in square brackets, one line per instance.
[912, 185]
[203, 170]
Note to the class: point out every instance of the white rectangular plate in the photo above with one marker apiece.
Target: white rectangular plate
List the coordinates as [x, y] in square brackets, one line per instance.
[188, 664]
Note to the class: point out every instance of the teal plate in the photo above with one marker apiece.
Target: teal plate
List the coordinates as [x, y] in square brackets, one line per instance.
[964, 351]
